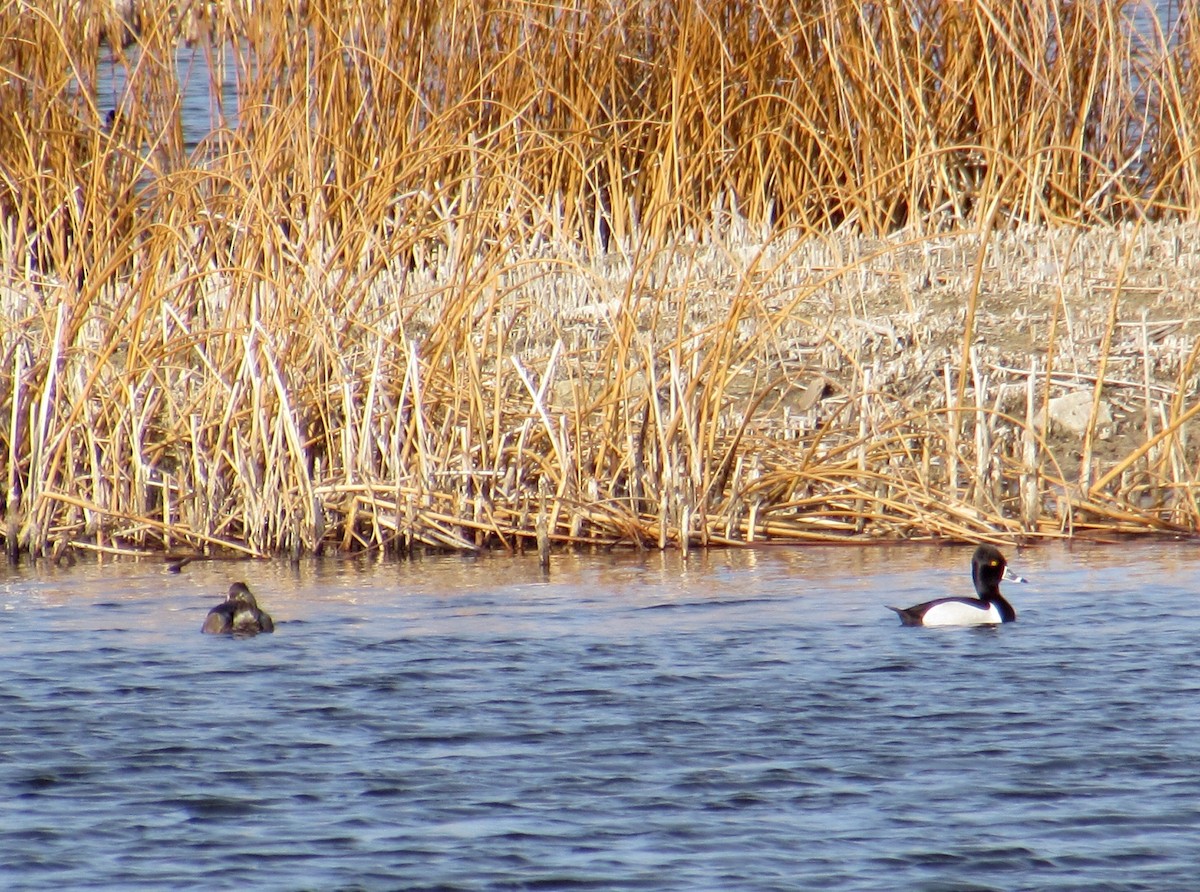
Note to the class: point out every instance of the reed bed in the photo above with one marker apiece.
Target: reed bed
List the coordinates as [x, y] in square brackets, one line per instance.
[503, 274]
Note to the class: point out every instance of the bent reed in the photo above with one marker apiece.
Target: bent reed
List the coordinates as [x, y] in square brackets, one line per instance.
[466, 274]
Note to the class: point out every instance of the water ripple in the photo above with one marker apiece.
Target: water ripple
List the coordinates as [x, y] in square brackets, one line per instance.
[588, 733]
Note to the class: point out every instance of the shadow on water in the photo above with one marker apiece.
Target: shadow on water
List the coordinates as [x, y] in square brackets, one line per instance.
[741, 719]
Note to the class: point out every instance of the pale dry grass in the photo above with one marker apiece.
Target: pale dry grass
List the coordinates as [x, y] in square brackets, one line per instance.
[459, 274]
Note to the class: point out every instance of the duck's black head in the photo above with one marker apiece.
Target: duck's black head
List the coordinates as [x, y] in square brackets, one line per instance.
[987, 569]
[239, 595]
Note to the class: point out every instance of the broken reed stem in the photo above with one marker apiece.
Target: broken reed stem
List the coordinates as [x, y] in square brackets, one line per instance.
[952, 432]
[1030, 502]
[983, 443]
[1147, 396]
[864, 419]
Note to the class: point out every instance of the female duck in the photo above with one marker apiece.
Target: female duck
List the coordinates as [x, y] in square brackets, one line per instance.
[238, 614]
[988, 567]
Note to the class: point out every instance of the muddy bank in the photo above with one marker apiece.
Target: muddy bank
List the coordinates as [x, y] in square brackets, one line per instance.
[846, 317]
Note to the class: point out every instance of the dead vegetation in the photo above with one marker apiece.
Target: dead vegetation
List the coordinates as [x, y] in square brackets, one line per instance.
[452, 275]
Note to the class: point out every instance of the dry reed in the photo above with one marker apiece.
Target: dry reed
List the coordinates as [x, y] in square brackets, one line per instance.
[463, 275]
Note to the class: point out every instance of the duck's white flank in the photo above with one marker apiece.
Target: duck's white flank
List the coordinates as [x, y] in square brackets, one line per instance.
[960, 613]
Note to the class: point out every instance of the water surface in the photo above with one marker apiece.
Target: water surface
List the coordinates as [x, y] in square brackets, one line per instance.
[740, 720]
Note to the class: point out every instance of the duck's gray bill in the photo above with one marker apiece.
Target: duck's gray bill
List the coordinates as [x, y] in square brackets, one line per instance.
[1013, 577]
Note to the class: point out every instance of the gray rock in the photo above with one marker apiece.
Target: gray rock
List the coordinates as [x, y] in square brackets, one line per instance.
[1069, 413]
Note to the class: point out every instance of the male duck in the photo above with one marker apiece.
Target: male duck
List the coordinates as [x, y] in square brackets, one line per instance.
[238, 614]
[988, 567]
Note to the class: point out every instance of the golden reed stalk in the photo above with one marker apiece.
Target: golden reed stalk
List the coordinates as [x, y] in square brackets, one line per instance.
[464, 274]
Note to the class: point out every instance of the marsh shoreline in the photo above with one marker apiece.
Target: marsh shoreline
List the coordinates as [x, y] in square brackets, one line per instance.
[832, 403]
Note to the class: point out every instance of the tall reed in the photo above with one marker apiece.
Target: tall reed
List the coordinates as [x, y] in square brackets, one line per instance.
[456, 273]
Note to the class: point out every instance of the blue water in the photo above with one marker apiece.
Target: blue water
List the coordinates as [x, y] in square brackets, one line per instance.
[742, 720]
